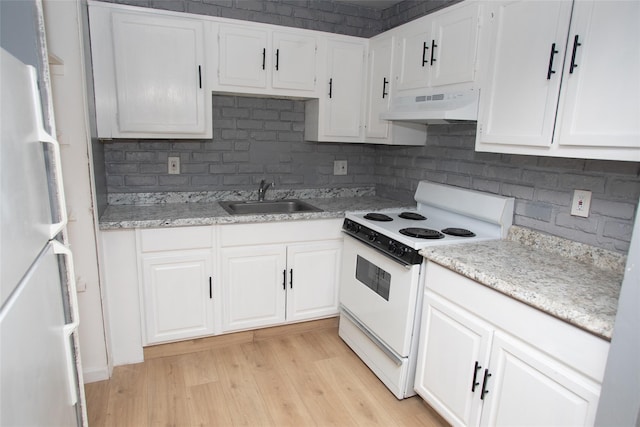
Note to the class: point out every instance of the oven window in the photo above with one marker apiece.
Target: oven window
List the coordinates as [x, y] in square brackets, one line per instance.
[374, 277]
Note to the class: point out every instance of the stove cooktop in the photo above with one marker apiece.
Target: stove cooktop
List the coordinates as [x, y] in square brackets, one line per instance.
[427, 227]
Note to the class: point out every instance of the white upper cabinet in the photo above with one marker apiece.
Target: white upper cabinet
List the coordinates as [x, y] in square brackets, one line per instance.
[438, 49]
[561, 85]
[257, 59]
[600, 95]
[337, 114]
[380, 86]
[454, 45]
[242, 56]
[149, 74]
[520, 93]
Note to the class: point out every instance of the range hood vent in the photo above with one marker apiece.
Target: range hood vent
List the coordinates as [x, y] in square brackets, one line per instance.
[453, 106]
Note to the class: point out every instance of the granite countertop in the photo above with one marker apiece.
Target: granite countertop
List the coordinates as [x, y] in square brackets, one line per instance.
[152, 210]
[574, 282]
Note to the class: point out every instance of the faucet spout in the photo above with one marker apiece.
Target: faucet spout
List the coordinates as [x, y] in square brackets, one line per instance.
[262, 190]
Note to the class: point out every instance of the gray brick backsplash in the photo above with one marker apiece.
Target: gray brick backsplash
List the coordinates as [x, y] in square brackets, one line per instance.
[543, 187]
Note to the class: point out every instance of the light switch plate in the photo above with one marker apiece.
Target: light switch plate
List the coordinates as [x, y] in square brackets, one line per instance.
[581, 203]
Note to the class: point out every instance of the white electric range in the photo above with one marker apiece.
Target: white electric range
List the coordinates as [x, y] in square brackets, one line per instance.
[380, 295]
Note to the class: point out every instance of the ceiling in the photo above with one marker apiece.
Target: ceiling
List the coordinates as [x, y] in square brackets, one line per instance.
[373, 4]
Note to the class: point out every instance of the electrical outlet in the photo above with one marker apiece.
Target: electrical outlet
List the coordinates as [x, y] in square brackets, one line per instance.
[174, 165]
[581, 203]
[340, 167]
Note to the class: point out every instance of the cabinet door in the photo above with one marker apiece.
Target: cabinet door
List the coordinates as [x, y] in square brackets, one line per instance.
[453, 352]
[314, 271]
[159, 74]
[379, 91]
[414, 53]
[455, 42]
[253, 291]
[344, 90]
[177, 295]
[528, 386]
[522, 79]
[243, 56]
[294, 59]
[600, 100]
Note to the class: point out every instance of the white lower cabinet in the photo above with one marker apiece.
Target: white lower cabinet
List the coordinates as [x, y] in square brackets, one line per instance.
[177, 291]
[270, 284]
[528, 386]
[452, 342]
[176, 283]
[474, 371]
[254, 295]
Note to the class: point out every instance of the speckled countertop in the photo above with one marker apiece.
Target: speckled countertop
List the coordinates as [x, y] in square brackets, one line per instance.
[148, 210]
[574, 282]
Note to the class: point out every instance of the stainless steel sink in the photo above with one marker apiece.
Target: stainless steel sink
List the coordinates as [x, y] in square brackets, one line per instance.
[268, 207]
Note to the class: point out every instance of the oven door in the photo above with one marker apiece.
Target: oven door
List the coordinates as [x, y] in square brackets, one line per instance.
[380, 294]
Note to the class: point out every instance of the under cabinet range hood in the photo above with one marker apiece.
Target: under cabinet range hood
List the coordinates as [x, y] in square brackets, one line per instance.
[435, 107]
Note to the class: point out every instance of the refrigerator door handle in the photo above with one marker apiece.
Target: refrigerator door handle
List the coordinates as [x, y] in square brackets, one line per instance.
[60, 249]
[57, 227]
[70, 328]
[44, 137]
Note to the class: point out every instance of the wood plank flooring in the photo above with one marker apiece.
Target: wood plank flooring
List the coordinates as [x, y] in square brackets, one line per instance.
[303, 375]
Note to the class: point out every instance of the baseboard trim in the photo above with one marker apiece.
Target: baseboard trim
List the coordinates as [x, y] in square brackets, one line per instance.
[95, 375]
[224, 340]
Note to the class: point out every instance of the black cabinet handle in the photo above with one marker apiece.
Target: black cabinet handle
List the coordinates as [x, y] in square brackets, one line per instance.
[200, 76]
[474, 384]
[277, 59]
[210, 288]
[264, 56]
[284, 279]
[330, 87]
[484, 384]
[553, 53]
[291, 279]
[433, 50]
[573, 54]
[385, 82]
[424, 53]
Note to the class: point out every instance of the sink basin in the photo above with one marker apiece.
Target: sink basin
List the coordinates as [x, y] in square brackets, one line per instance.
[268, 207]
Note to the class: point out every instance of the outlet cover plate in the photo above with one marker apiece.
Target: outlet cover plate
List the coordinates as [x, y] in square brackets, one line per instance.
[340, 167]
[174, 165]
[581, 203]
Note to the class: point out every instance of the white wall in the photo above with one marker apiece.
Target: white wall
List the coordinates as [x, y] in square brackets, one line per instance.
[65, 41]
[620, 397]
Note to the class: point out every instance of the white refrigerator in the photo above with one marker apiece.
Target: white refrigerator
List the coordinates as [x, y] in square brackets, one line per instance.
[40, 379]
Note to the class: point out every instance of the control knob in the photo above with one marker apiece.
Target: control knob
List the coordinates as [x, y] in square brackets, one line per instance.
[393, 247]
[372, 236]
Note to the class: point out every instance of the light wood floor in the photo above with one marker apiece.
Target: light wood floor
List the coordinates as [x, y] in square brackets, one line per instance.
[297, 376]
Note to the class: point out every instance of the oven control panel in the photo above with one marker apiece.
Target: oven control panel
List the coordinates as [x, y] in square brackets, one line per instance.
[390, 247]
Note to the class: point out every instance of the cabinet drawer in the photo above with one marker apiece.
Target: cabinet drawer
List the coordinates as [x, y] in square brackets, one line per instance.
[280, 232]
[175, 238]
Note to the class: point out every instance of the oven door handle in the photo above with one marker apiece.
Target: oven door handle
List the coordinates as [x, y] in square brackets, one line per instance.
[381, 345]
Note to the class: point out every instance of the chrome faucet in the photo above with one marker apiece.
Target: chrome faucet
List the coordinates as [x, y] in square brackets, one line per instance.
[263, 189]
